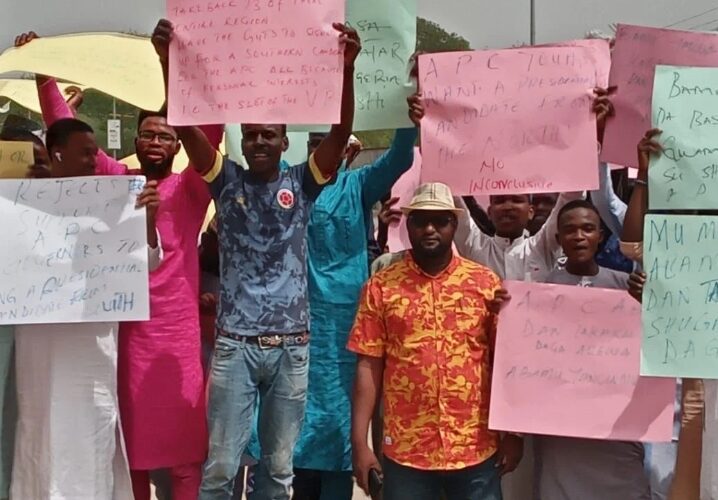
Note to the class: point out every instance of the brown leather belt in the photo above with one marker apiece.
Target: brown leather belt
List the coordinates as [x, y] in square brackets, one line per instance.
[269, 341]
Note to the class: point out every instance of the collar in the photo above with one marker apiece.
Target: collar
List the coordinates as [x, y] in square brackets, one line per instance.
[507, 243]
[409, 257]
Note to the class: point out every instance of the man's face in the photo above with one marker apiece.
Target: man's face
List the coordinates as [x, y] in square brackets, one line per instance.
[156, 145]
[431, 232]
[262, 146]
[510, 214]
[543, 205]
[579, 234]
[77, 158]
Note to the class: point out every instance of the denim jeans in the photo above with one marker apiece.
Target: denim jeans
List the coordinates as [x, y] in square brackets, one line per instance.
[479, 482]
[242, 372]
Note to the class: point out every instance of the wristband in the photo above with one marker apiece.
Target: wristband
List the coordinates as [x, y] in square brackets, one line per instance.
[640, 182]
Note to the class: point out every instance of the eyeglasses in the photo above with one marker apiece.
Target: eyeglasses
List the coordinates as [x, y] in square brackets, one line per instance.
[163, 138]
[419, 219]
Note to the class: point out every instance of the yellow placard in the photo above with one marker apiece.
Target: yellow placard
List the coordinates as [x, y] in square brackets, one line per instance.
[15, 158]
[24, 92]
[123, 66]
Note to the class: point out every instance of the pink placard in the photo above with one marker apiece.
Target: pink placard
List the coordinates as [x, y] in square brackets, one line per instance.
[511, 121]
[255, 61]
[404, 189]
[637, 52]
[567, 364]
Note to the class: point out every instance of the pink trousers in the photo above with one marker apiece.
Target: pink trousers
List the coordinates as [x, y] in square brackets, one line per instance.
[185, 482]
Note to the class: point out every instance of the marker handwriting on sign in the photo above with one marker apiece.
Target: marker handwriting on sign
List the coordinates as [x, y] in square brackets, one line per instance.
[78, 251]
[561, 343]
[685, 104]
[259, 61]
[500, 121]
[680, 300]
[637, 52]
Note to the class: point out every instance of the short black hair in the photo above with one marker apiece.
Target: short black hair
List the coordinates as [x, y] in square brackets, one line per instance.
[282, 126]
[59, 132]
[574, 204]
[20, 134]
[145, 114]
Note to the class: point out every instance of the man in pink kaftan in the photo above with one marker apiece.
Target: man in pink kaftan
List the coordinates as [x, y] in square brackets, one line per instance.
[160, 377]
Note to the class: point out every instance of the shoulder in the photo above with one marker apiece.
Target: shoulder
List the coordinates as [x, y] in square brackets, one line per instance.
[616, 279]
[476, 270]
[386, 260]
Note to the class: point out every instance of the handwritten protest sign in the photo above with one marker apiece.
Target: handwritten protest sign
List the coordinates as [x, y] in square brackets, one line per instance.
[685, 108]
[15, 158]
[74, 251]
[564, 351]
[511, 121]
[388, 34]
[404, 189]
[637, 52]
[122, 66]
[680, 299]
[255, 61]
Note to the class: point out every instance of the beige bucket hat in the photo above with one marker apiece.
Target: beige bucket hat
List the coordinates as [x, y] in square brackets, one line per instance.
[433, 196]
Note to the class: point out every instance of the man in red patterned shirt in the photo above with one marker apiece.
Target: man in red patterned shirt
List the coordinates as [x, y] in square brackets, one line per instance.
[424, 334]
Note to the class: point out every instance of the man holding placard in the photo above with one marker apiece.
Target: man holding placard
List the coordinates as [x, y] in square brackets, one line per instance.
[262, 325]
[68, 429]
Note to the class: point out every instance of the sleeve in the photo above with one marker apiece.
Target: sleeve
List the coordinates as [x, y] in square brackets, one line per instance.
[155, 255]
[223, 172]
[610, 207]
[194, 183]
[380, 176]
[469, 239]
[368, 336]
[492, 320]
[544, 243]
[312, 179]
[54, 108]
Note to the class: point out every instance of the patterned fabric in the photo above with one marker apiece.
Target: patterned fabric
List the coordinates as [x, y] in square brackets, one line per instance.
[263, 252]
[437, 337]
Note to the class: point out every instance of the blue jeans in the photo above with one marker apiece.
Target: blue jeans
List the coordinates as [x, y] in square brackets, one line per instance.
[479, 482]
[241, 372]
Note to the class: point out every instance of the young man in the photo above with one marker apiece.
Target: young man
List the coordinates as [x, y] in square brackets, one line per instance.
[69, 444]
[425, 341]
[543, 204]
[338, 267]
[161, 381]
[263, 324]
[588, 469]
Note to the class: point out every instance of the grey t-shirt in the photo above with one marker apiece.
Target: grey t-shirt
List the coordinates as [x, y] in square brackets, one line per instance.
[606, 278]
[587, 469]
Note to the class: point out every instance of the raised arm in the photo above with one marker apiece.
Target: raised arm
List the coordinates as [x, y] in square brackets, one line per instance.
[469, 239]
[638, 204]
[610, 207]
[328, 155]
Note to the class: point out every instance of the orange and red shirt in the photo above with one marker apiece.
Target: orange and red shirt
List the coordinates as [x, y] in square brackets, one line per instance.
[437, 338]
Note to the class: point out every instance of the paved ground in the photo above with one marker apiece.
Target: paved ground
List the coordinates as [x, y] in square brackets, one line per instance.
[358, 494]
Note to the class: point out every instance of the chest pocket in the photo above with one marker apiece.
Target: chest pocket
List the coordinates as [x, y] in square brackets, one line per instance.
[331, 236]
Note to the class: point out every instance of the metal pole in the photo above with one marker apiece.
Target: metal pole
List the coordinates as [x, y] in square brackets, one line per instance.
[114, 117]
[533, 22]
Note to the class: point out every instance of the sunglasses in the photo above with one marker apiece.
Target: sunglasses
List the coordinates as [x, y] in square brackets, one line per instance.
[439, 221]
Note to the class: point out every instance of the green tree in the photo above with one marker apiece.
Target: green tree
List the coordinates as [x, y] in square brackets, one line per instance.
[430, 37]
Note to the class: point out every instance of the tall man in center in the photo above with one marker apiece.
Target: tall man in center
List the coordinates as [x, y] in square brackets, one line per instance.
[263, 320]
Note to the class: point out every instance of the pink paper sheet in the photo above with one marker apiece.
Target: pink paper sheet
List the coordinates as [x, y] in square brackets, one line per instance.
[567, 364]
[512, 121]
[404, 189]
[255, 61]
[637, 52]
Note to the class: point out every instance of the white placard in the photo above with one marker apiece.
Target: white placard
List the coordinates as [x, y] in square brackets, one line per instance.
[73, 250]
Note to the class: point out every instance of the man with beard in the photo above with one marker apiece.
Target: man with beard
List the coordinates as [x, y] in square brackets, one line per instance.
[425, 335]
[160, 377]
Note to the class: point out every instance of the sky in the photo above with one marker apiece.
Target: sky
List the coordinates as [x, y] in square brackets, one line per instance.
[485, 23]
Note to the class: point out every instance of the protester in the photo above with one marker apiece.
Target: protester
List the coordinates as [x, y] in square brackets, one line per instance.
[573, 468]
[338, 268]
[411, 334]
[690, 478]
[543, 204]
[263, 292]
[69, 443]
[161, 384]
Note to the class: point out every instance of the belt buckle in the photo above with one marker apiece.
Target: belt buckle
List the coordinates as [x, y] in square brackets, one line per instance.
[269, 341]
